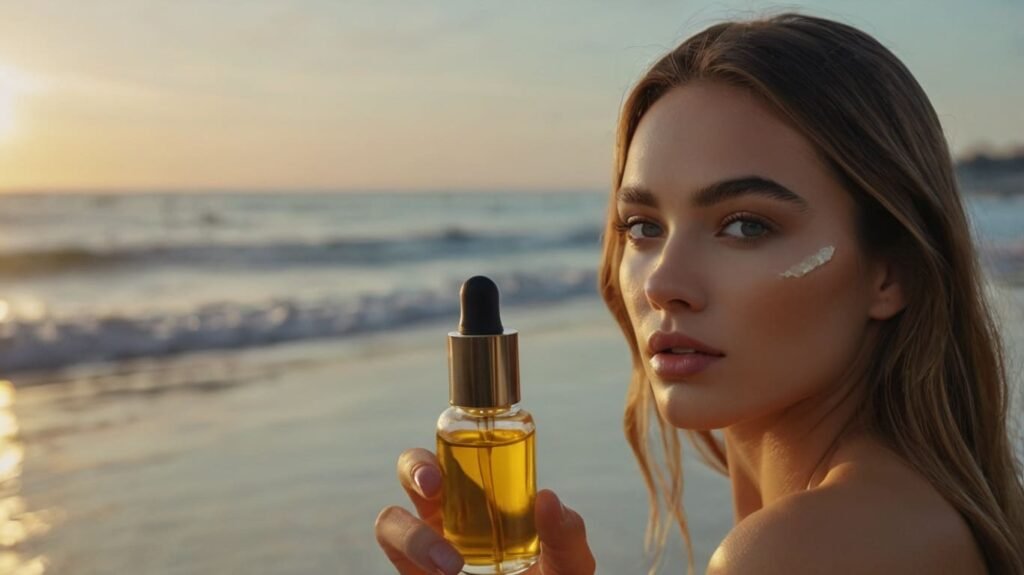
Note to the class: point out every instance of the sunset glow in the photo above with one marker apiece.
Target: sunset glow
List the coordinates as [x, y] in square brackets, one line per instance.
[6, 106]
[15, 85]
[373, 96]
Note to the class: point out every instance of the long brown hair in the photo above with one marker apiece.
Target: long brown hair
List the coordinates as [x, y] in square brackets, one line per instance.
[937, 389]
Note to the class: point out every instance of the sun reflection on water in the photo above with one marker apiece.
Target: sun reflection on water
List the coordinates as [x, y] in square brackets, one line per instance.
[17, 523]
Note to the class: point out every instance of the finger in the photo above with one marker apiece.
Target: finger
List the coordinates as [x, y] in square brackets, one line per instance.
[563, 538]
[420, 476]
[401, 562]
[412, 546]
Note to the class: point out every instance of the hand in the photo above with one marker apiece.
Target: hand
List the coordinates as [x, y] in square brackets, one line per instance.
[416, 546]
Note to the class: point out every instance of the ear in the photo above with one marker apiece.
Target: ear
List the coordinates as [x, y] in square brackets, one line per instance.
[886, 298]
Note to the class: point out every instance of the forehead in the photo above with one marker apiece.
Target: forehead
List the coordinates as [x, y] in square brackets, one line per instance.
[705, 132]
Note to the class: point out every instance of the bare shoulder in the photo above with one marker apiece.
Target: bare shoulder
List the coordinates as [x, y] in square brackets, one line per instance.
[871, 515]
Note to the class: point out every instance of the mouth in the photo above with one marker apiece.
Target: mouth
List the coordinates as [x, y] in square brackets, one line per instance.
[675, 355]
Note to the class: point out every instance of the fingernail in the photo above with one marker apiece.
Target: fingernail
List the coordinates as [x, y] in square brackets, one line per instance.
[444, 558]
[428, 480]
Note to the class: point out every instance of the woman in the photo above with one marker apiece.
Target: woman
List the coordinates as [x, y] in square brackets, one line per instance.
[788, 257]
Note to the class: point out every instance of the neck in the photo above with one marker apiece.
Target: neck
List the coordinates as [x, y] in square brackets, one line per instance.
[790, 451]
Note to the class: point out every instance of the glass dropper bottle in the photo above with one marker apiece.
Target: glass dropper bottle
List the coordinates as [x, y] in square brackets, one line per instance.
[485, 442]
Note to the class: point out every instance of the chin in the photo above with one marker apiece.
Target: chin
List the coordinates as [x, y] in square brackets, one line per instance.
[683, 409]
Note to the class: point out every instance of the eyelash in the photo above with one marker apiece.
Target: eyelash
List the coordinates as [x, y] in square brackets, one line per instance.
[623, 226]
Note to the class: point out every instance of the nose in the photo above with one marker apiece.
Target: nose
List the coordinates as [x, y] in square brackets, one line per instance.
[674, 283]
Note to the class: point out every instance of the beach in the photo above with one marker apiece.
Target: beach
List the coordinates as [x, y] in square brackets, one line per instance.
[277, 460]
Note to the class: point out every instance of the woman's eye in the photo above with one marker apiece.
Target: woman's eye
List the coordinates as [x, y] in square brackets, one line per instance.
[640, 230]
[745, 229]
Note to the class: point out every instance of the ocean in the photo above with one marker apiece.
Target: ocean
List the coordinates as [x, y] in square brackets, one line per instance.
[90, 278]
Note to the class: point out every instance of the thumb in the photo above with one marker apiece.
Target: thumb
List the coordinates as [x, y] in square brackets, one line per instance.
[563, 538]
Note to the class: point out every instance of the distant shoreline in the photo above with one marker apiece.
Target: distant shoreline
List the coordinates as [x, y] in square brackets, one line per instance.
[987, 174]
[980, 173]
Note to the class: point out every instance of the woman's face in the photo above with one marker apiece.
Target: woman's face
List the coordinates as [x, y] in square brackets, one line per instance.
[708, 259]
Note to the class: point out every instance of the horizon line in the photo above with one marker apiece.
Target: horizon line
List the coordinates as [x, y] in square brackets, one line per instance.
[123, 190]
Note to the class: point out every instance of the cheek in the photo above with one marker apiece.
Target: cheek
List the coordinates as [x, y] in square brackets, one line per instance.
[631, 281]
[797, 333]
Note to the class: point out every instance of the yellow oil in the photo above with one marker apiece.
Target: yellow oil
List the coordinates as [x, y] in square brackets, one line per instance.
[489, 491]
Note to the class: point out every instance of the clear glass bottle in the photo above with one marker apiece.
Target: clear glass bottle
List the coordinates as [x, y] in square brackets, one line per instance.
[485, 443]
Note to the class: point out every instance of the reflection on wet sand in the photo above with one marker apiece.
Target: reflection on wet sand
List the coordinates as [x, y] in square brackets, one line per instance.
[17, 523]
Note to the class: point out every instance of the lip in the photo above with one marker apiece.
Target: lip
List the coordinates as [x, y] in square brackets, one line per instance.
[669, 366]
[661, 341]
[672, 366]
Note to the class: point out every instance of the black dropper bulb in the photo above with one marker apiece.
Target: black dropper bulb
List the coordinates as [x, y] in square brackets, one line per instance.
[480, 313]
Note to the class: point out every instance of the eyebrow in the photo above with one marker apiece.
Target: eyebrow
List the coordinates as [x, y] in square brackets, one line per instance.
[719, 192]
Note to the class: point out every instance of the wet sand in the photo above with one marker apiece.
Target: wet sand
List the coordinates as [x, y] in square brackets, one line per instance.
[277, 460]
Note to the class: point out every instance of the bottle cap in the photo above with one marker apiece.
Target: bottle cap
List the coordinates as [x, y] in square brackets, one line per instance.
[483, 356]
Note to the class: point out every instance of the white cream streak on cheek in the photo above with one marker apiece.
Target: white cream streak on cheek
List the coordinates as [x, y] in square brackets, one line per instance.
[801, 269]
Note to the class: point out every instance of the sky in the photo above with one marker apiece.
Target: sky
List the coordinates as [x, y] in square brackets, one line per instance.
[139, 95]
